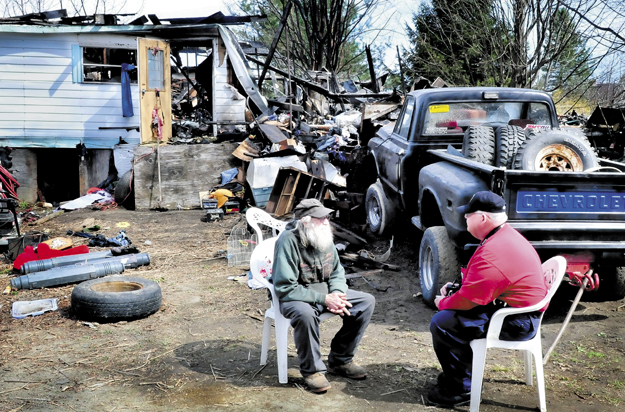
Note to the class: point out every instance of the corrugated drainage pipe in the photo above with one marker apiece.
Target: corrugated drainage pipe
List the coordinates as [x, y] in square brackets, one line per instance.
[66, 274]
[45, 264]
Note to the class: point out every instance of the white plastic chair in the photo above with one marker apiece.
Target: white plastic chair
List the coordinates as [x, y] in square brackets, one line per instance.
[256, 216]
[261, 263]
[553, 270]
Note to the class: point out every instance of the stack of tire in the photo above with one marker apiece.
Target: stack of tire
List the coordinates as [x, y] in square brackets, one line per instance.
[514, 148]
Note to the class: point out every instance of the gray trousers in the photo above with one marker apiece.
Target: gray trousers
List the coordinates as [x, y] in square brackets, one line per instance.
[305, 322]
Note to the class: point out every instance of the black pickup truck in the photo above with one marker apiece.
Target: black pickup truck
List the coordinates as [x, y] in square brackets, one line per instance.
[449, 143]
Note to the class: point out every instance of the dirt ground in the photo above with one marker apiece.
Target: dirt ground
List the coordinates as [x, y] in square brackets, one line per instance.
[201, 350]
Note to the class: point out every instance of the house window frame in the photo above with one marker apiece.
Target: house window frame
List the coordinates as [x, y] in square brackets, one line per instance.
[78, 64]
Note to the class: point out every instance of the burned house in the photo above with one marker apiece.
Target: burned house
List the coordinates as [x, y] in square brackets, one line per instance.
[75, 89]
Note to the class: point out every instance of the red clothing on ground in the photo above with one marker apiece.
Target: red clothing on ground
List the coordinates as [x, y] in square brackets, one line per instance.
[505, 267]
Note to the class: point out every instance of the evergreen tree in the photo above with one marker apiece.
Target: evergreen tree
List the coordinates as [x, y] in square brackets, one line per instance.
[455, 40]
[569, 67]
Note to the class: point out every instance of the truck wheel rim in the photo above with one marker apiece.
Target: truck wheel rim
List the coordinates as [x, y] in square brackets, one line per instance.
[374, 213]
[558, 158]
[426, 268]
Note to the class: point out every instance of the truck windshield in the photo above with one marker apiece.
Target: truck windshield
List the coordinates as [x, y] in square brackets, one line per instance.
[454, 118]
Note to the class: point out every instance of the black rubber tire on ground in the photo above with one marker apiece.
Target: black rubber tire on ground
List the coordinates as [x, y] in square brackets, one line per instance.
[125, 192]
[116, 298]
[508, 140]
[555, 151]
[611, 285]
[479, 144]
[438, 262]
[380, 211]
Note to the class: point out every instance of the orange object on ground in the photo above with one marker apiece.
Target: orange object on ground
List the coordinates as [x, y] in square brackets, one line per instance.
[45, 252]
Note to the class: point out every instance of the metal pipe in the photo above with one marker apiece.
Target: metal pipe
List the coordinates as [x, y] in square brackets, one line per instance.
[45, 264]
[66, 274]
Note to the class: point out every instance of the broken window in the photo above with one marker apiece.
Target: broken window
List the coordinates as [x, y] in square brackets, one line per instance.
[454, 118]
[104, 64]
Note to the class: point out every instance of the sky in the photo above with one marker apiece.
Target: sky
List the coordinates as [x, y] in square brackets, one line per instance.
[398, 14]
[183, 8]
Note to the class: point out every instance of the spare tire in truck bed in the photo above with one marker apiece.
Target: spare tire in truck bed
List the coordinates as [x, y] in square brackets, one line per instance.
[555, 151]
[116, 298]
[479, 144]
[508, 140]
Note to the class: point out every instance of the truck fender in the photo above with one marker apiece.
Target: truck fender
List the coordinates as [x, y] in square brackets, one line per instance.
[451, 186]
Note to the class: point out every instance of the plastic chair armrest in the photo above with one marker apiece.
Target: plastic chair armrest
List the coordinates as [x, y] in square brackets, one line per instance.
[496, 322]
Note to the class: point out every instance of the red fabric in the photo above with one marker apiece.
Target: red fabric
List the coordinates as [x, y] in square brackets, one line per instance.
[93, 190]
[505, 267]
[44, 252]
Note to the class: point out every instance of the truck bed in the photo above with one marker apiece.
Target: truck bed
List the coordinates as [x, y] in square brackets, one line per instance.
[560, 211]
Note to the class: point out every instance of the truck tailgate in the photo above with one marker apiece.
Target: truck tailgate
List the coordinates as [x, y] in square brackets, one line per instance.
[563, 209]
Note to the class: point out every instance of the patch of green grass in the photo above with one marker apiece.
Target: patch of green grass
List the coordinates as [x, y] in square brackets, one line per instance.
[601, 334]
[24, 205]
[616, 384]
[574, 385]
[500, 368]
[593, 354]
[614, 401]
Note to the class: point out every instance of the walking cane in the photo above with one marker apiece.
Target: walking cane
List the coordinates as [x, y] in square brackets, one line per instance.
[584, 282]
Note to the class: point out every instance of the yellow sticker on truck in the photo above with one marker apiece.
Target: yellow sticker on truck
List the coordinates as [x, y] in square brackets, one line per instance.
[439, 108]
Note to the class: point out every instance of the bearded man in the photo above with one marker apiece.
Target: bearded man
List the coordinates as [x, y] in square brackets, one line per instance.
[309, 280]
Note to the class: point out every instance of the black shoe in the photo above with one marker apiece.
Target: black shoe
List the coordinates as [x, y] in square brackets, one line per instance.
[448, 400]
[441, 381]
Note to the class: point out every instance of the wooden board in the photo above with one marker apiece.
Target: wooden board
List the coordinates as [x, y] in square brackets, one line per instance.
[185, 171]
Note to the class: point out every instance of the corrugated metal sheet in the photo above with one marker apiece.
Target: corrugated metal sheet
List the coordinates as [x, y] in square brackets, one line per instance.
[40, 106]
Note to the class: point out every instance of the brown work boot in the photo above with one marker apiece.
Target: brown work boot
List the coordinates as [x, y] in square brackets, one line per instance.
[349, 370]
[317, 382]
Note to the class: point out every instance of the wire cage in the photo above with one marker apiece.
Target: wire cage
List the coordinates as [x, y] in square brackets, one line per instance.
[242, 242]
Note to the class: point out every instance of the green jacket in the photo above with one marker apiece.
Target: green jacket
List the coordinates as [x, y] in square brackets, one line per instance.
[305, 274]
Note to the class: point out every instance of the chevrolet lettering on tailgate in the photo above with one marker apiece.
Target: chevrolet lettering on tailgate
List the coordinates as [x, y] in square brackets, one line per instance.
[570, 202]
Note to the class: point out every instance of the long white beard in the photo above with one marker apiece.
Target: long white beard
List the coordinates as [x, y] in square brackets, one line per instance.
[317, 236]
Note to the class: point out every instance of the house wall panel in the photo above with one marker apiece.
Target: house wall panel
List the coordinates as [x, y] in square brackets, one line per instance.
[40, 106]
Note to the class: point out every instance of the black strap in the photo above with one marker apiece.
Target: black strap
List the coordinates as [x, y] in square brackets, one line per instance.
[491, 233]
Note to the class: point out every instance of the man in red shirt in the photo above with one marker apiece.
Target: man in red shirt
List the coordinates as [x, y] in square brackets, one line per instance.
[504, 267]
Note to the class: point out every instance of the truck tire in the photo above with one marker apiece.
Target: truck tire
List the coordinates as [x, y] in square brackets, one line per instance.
[116, 298]
[479, 144]
[555, 152]
[438, 262]
[380, 211]
[508, 140]
[124, 191]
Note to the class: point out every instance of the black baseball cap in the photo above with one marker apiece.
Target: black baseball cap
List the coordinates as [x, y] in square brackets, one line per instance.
[485, 201]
